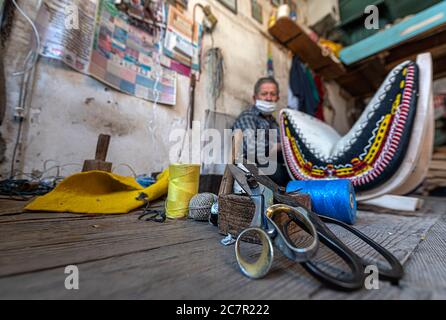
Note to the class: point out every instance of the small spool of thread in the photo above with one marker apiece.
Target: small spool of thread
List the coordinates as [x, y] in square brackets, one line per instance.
[332, 198]
[184, 180]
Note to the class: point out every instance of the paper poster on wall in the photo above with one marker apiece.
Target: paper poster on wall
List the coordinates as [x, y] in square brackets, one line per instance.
[178, 43]
[124, 57]
[107, 47]
[62, 38]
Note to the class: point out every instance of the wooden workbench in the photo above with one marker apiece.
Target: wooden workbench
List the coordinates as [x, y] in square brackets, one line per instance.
[120, 257]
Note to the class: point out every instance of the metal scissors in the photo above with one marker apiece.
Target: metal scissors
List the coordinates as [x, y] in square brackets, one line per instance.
[266, 224]
[355, 263]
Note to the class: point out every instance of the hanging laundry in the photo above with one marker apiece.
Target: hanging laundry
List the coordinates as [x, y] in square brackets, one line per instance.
[270, 62]
[312, 85]
[293, 101]
[322, 99]
[301, 95]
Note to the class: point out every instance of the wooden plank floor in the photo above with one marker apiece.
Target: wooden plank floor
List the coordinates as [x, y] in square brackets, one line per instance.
[120, 257]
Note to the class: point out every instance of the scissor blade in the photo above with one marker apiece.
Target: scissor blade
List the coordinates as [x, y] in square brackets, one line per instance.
[262, 179]
[240, 177]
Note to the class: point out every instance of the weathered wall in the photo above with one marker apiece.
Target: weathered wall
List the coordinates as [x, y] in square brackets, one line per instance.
[440, 86]
[69, 110]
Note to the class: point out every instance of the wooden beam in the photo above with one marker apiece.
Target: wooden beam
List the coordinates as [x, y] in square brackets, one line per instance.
[417, 45]
[362, 79]
[365, 78]
[296, 38]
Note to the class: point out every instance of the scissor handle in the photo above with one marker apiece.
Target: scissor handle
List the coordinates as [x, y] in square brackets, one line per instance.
[355, 263]
[282, 239]
[396, 271]
[262, 265]
[356, 279]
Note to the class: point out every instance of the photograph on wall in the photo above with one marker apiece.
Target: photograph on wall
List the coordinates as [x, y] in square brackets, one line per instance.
[257, 11]
[178, 43]
[230, 4]
[181, 3]
[276, 3]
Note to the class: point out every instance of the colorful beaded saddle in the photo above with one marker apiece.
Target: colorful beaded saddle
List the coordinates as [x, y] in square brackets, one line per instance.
[374, 149]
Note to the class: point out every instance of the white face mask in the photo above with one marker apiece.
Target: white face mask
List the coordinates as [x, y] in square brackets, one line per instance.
[266, 107]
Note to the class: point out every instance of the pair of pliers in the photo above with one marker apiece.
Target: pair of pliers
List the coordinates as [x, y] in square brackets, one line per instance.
[355, 263]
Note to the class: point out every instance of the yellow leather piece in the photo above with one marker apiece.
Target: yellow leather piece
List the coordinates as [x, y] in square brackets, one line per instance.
[98, 192]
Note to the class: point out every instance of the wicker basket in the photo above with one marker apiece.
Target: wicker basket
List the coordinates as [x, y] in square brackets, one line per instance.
[235, 213]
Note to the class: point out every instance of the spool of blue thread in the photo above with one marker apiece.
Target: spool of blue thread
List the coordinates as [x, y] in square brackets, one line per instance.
[332, 198]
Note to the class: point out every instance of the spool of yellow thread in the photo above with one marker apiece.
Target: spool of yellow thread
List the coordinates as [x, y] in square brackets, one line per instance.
[184, 180]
